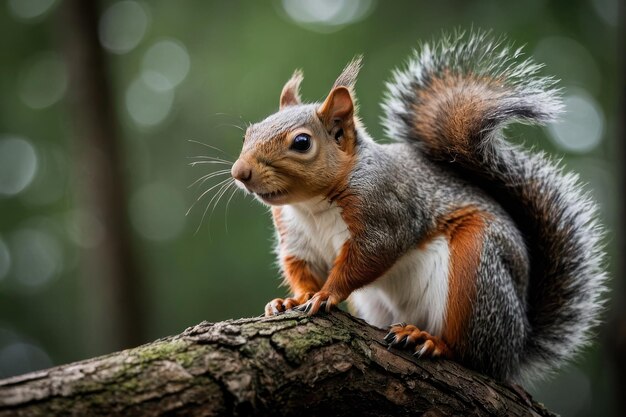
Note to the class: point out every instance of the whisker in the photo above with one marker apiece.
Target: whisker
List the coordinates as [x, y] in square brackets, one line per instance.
[220, 197]
[210, 146]
[204, 193]
[194, 163]
[230, 115]
[206, 177]
[224, 184]
[226, 211]
[212, 158]
[221, 194]
[231, 125]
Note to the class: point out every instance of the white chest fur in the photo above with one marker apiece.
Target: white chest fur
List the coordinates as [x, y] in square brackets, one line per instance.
[316, 233]
[414, 290]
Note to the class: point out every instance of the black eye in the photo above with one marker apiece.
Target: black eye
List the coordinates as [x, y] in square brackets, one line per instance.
[301, 143]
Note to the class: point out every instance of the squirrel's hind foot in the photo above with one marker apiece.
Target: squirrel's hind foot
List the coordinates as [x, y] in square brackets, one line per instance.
[423, 343]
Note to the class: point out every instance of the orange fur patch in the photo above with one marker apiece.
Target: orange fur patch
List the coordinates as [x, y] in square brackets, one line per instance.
[464, 100]
[353, 269]
[298, 275]
[464, 230]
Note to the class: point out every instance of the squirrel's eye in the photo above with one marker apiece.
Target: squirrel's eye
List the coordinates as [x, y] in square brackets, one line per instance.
[301, 143]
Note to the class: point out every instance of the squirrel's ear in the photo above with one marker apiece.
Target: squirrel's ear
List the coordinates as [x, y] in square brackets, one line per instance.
[340, 106]
[337, 115]
[290, 96]
[337, 108]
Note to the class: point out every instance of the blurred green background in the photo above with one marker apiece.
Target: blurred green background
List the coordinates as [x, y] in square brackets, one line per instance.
[200, 71]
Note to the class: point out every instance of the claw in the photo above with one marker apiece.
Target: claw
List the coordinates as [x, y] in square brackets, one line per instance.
[407, 342]
[389, 337]
[424, 345]
[398, 341]
[418, 353]
[401, 324]
[303, 307]
[309, 309]
[319, 301]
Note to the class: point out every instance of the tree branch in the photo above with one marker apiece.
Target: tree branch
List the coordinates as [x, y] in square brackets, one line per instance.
[291, 364]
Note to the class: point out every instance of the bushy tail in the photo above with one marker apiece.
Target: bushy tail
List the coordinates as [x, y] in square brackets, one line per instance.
[452, 101]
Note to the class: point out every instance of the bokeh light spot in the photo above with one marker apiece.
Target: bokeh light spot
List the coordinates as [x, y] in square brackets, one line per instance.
[327, 15]
[37, 257]
[5, 259]
[580, 129]
[29, 9]
[165, 65]
[569, 61]
[157, 212]
[50, 183]
[148, 107]
[18, 165]
[122, 26]
[44, 82]
[608, 10]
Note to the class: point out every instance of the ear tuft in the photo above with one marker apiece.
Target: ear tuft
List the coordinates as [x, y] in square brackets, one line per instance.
[348, 76]
[290, 96]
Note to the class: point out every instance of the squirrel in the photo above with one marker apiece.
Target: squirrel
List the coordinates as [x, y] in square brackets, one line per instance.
[491, 253]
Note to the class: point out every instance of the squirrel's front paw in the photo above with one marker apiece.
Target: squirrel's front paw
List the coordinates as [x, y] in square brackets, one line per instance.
[423, 343]
[320, 299]
[280, 305]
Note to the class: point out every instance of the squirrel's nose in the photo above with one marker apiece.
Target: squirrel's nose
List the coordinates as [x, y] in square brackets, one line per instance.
[241, 171]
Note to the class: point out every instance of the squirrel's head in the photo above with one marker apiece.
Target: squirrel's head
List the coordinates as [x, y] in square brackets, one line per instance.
[303, 151]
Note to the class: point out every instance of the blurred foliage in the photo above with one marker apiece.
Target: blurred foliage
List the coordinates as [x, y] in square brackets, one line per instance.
[201, 71]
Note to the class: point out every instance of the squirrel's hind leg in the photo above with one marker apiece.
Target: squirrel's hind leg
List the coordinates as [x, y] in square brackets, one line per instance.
[423, 343]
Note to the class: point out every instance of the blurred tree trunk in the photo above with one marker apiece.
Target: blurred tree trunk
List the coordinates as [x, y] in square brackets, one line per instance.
[286, 365]
[111, 276]
[617, 340]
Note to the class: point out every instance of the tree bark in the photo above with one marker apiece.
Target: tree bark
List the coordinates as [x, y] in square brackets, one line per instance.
[291, 364]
